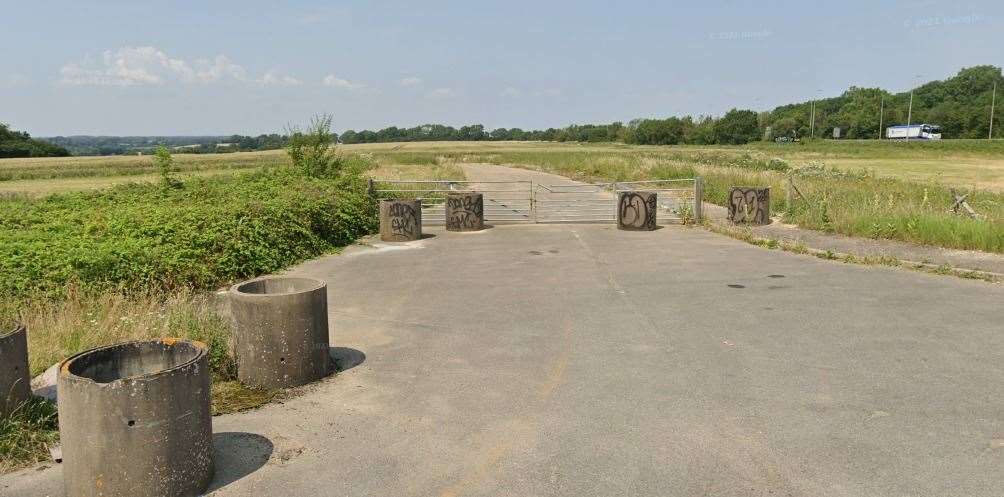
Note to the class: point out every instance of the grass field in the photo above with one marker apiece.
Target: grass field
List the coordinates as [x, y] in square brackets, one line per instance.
[964, 163]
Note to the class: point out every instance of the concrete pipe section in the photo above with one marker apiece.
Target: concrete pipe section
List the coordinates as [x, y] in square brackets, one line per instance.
[400, 220]
[15, 380]
[465, 211]
[749, 205]
[281, 331]
[636, 211]
[134, 420]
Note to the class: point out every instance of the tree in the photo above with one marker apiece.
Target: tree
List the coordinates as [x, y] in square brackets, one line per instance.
[165, 165]
[737, 127]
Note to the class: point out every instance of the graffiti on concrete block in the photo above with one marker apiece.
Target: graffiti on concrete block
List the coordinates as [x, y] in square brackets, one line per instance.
[400, 220]
[637, 210]
[464, 212]
[404, 221]
[749, 205]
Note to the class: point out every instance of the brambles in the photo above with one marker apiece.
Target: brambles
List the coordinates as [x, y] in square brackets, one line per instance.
[141, 237]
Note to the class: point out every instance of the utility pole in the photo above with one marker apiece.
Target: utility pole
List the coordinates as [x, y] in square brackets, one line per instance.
[993, 100]
[909, 113]
[909, 116]
[881, 112]
[812, 120]
[812, 116]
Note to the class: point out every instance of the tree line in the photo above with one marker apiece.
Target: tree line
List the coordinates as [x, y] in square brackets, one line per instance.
[131, 145]
[21, 144]
[961, 105]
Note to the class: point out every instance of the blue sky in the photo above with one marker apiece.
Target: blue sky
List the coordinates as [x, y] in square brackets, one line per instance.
[249, 67]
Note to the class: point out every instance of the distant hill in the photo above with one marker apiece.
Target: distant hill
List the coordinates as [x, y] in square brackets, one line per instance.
[20, 144]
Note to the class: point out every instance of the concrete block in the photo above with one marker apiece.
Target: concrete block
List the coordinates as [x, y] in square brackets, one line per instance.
[636, 211]
[280, 329]
[465, 211]
[400, 220]
[749, 205]
[15, 378]
[134, 420]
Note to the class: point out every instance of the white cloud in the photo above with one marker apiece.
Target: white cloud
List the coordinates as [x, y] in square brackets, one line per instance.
[270, 79]
[135, 66]
[411, 81]
[344, 84]
[511, 92]
[217, 69]
[441, 94]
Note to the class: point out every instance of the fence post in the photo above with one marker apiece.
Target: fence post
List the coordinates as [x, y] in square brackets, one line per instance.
[370, 189]
[787, 194]
[698, 199]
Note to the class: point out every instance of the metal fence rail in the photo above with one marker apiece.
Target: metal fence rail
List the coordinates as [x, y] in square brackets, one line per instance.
[506, 202]
[509, 202]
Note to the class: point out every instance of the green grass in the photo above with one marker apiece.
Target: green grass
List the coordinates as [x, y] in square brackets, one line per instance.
[25, 436]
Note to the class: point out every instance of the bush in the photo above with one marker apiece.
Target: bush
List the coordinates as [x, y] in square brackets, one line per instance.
[142, 237]
[313, 152]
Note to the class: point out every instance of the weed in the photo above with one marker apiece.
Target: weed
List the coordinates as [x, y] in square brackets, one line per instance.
[27, 434]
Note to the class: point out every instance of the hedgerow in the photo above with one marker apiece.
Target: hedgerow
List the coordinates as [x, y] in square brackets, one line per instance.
[205, 233]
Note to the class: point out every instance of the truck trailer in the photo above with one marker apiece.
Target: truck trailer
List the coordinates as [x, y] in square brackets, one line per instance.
[914, 132]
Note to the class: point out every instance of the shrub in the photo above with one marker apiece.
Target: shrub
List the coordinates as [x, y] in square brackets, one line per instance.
[142, 237]
[312, 151]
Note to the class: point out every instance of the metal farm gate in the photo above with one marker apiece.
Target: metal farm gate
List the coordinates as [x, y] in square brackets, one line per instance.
[514, 202]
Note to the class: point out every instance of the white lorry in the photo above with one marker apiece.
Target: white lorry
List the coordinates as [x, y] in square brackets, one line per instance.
[914, 132]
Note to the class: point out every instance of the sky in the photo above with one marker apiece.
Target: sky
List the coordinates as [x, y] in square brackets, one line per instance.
[221, 67]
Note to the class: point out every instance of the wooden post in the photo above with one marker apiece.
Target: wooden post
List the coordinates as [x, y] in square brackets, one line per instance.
[698, 199]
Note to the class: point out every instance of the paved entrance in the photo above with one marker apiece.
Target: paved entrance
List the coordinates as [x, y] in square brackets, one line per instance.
[544, 198]
[579, 360]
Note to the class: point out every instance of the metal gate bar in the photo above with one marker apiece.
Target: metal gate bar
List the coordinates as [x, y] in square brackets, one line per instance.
[505, 202]
[508, 202]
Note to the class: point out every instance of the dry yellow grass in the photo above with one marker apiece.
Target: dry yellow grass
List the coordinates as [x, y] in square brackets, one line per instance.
[57, 330]
[42, 187]
[957, 167]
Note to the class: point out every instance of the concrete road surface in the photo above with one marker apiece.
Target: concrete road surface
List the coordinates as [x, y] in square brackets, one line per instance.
[579, 360]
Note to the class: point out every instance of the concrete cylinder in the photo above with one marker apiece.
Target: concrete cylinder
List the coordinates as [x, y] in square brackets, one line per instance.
[400, 220]
[465, 211]
[134, 420]
[15, 378]
[281, 331]
[636, 211]
[749, 205]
